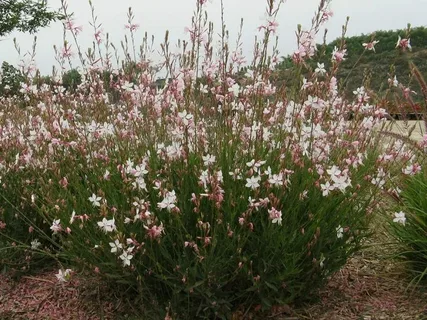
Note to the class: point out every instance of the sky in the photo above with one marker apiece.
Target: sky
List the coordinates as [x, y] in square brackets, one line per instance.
[157, 16]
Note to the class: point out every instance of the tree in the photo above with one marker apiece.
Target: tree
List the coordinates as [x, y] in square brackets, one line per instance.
[10, 80]
[71, 79]
[25, 15]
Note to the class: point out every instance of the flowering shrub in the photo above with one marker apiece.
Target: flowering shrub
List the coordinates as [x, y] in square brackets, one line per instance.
[409, 226]
[204, 196]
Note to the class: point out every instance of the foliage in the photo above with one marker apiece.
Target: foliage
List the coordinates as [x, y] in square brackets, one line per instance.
[409, 226]
[71, 79]
[25, 16]
[10, 79]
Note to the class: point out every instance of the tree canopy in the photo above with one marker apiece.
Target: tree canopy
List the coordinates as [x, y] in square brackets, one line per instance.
[25, 15]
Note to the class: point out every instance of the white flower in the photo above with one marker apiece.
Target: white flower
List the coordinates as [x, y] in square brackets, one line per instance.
[127, 86]
[116, 246]
[341, 182]
[253, 182]
[204, 178]
[276, 179]
[306, 84]
[379, 180]
[315, 102]
[394, 81]
[250, 163]
[320, 69]
[73, 215]
[322, 261]
[139, 183]
[95, 200]
[208, 160]
[107, 225]
[234, 89]
[63, 276]
[35, 244]
[399, 217]
[340, 232]
[56, 226]
[258, 164]
[326, 188]
[106, 175]
[139, 170]
[359, 91]
[126, 257]
[186, 117]
[334, 171]
[168, 202]
[203, 88]
[236, 174]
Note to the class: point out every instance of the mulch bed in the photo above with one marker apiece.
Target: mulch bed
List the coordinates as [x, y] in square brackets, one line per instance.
[43, 297]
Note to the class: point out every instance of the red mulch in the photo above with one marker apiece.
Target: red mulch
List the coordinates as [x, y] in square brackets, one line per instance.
[43, 297]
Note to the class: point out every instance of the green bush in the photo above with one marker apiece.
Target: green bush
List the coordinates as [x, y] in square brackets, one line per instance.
[409, 226]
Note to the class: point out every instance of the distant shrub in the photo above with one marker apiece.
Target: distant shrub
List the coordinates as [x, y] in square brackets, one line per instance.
[409, 226]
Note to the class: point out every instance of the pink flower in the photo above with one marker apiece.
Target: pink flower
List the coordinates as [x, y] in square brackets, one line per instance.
[271, 26]
[326, 14]
[275, 216]
[64, 182]
[69, 25]
[338, 55]
[370, 45]
[404, 43]
[423, 143]
[132, 26]
[66, 51]
[155, 232]
[56, 226]
[98, 35]
[412, 169]
[64, 276]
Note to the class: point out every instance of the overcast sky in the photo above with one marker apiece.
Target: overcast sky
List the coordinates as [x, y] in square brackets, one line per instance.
[157, 16]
